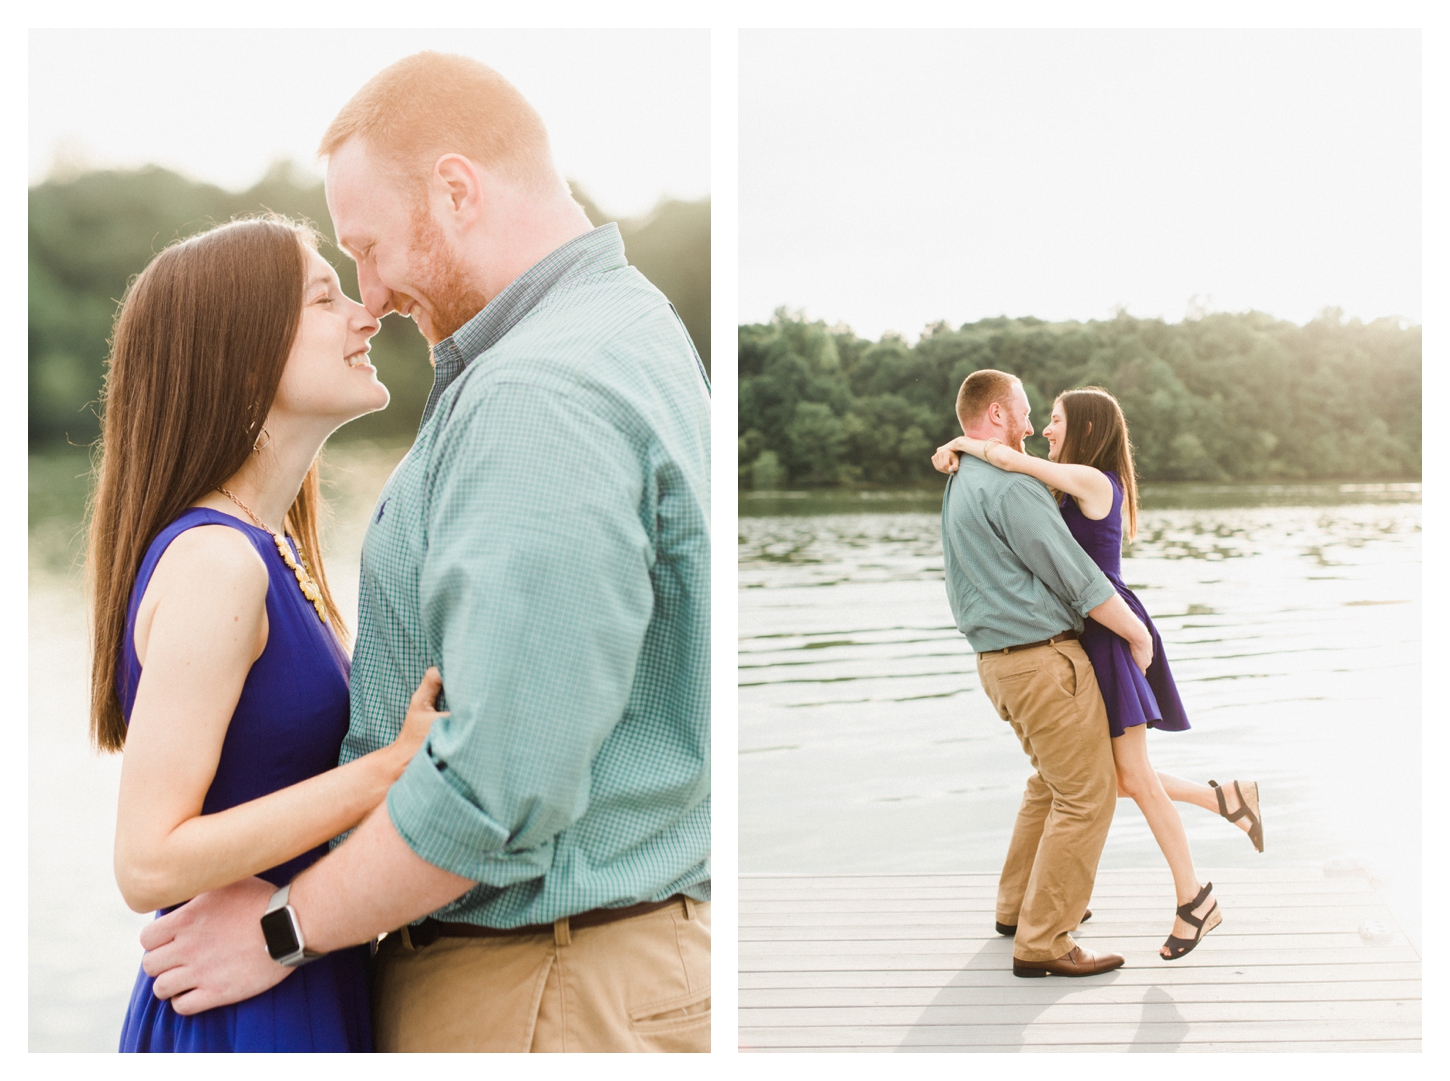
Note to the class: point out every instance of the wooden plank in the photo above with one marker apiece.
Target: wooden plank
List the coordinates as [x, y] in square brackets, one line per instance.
[1245, 925]
[1303, 870]
[987, 889]
[1294, 1046]
[1240, 925]
[1129, 1032]
[1101, 896]
[1302, 876]
[1127, 1010]
[1139, 976]
[1119, 909]
[788, 913]
[1240, 920]
[1113, 876]
[953, 995]
[875, 942]
[988, 948]
[773, 958]
[1276, 901]
[865, 940]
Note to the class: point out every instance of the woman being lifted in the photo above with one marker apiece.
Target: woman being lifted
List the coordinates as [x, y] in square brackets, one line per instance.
[1089, 468]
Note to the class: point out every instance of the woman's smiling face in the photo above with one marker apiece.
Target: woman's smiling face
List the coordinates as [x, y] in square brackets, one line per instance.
[1056, 431]
[327, 373]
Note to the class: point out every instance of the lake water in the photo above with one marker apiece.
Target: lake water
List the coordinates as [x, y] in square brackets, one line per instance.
[84, 954]
[1291, 615]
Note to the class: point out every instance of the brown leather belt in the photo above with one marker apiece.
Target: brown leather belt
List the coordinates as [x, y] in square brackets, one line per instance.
[430, 930]
[1065, 636]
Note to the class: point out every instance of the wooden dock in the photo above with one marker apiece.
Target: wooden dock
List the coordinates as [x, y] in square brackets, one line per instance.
[1301, 962]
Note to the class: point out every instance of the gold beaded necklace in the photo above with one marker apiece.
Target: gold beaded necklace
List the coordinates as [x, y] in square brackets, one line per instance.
[309, 587]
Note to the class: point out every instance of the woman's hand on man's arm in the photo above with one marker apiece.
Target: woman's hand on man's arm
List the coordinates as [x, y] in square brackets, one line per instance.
[208, 627]
[947, 456]
[417, 722]
[1116, 616]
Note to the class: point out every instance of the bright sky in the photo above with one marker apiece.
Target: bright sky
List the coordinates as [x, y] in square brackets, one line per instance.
[892, 178]
[628, 111]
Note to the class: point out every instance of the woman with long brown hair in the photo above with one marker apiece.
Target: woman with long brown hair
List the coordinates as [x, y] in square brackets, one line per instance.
[218, 658]
[1089, 467]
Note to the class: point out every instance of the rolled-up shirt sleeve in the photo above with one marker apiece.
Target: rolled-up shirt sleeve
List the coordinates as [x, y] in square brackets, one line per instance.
[1033, 528]
[535, 596]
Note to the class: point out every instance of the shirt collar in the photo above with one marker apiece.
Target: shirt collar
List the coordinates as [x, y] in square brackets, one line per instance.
[593, 252]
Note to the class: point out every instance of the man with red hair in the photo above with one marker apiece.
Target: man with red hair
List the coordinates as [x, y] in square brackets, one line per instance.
[543, 863]
[1019, 587]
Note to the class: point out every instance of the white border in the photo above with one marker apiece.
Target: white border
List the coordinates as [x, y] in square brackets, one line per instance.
[725, 19]
[725, 861]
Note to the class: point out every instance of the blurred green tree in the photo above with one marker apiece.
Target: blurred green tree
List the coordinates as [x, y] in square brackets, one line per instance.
[1221, 397]
[89, 235]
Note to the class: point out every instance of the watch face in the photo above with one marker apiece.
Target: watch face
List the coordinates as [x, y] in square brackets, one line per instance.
[281, 936]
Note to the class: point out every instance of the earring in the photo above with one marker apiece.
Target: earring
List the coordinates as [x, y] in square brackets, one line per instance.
[263, 441]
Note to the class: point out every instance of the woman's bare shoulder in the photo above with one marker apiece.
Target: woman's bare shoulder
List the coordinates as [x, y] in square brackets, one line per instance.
[1102, 496]
[212, 560]
[209, 578]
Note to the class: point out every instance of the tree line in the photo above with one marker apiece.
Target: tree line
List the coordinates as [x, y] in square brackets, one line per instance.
[90, 234]
[1222, 397]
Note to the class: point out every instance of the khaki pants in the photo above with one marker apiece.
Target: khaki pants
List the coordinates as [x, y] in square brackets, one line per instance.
[639, 984]
[1050, 697]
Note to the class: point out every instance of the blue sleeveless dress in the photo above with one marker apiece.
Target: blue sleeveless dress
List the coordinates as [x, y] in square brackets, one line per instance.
[288, 726]
[1131, 697]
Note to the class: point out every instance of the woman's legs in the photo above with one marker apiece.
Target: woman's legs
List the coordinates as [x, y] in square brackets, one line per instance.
[1201, 795]
[1138, 779]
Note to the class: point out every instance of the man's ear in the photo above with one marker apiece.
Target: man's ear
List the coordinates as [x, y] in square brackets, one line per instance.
[461, 183]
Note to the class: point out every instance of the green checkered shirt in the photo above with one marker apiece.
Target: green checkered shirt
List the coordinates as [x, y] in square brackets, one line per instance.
[545, 543]
[1014, 573]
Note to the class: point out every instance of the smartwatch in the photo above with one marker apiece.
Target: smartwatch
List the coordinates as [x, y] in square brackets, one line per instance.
[283, 933]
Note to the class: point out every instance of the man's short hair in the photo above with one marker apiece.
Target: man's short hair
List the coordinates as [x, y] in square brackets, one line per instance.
[429, 104]
[981, 389]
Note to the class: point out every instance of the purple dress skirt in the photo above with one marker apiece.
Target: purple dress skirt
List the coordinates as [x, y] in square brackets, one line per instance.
[288, 726]
[1131, 697]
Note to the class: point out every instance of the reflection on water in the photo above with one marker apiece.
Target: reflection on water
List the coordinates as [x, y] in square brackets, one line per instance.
[83, 951]
[867, 745]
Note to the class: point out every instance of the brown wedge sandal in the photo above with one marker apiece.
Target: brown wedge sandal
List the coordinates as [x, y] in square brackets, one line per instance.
[1178, 947]
[1248, 795]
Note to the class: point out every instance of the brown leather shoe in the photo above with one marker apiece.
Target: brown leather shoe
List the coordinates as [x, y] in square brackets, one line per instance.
[1076, 962]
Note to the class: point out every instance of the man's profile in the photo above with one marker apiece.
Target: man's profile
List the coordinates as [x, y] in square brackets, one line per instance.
[542, 864]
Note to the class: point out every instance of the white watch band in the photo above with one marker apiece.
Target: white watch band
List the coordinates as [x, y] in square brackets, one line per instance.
[301, 955]
[279, 899]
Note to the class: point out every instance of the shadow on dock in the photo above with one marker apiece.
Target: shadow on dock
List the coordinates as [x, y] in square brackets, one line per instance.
[955, 1016]
[1302, 962]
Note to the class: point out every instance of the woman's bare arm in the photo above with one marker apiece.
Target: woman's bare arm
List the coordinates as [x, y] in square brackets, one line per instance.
[1090, 487]
[1116, 616]
[205, 626]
